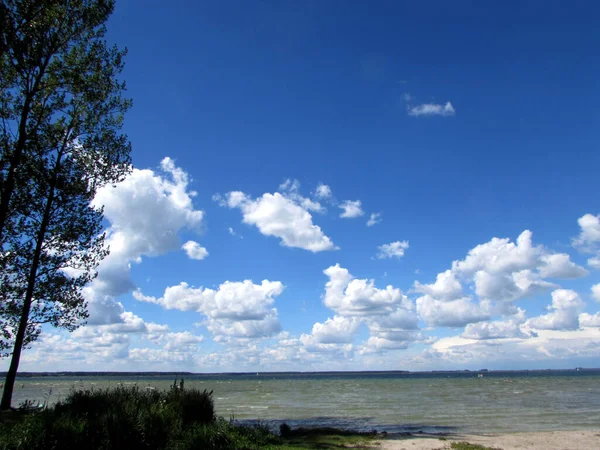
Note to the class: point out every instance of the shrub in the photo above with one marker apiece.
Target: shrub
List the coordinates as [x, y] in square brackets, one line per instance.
[118, 418]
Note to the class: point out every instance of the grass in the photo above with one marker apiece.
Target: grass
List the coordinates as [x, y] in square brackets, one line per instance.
[468, 446]
[324, 438]
[135, 419]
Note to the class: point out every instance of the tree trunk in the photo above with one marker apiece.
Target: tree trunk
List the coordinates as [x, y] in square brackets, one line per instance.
[20, 338]
[8, 185]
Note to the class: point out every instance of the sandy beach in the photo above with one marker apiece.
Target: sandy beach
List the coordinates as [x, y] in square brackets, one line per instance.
[547, 440]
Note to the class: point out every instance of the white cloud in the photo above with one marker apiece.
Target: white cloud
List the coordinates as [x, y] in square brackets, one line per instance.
[235, 309]
[291, 189]
[392, 250]
[349, 296]
[280, 216]
[323, 191]
[432, 109]
[183, 341]
[507, 271]
[594, 262]
[589, 320]
[336, 331]
[194, 250]
[500, 329]
[565, 309]
[589, 236]
[559, 265]
[146, 211]
[446, 287]
[453, 313]
[511, 286]
[500, 256]
[539, 349]
[232, 232]
[352, 209]
[374, 219]
[588, 239]
[596, 292]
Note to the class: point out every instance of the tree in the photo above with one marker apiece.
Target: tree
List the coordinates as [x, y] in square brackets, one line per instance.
[62, 110]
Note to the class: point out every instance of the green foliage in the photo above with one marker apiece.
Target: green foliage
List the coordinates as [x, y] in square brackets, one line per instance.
[62, 106]
[468, 446]
[121, 418]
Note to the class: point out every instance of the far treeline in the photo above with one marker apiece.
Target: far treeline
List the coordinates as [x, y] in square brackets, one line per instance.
[62, 106]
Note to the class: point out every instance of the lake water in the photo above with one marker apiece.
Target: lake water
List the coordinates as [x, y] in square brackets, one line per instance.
[456, 402]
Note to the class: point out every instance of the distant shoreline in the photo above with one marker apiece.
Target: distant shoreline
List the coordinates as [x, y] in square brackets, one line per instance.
[484, 372]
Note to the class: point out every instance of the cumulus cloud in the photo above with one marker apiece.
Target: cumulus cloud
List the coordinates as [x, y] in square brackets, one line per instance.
[446, 287]
[596, 292]
[281, 215]
[432, 109]
[339, 330]
[351, 209]
[559, 265]
[506, 271]
[588, 239]
[374, 219]
[500, 329]
[589, 320]
[194, 250]
[509, 287]
[146, 212]
[349, 296]
[235, 309]
[392, 250]
[452, 313]
[564, 312]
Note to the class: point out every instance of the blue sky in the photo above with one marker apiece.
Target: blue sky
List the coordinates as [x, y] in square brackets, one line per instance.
[457, 122]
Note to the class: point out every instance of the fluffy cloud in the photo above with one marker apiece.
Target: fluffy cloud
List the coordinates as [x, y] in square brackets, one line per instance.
[452, 313]
[565, 309]
[509, 287]
[392, 250]
[504, 271]
[589, 320]
[235, 309]
[281, 215]
[431, 109]
[194, 250]
[349, 296]
[588, 239]
[559, 265]
[500, 329]
[146, 211]
[323, 191]
[339, 330]
[596, 292]
[351, 209]
[500, 256]
[446, 287]
[374, 219]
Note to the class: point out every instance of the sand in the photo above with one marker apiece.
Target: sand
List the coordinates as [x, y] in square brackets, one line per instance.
[546, 440]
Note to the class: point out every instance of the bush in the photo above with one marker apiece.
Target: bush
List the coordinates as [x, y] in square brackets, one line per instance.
[119, 418]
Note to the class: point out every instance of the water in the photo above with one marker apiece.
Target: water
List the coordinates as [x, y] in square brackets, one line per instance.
[452, 402]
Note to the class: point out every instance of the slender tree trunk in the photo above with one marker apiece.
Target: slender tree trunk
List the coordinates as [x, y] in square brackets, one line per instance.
[20, 338]
[8, 185]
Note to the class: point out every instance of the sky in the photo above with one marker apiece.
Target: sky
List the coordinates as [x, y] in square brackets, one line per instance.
[324, 185]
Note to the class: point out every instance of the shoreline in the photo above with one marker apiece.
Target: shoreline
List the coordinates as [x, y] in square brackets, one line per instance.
[546, 440]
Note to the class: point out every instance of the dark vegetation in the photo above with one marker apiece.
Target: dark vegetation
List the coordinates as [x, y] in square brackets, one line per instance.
[142, 419]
